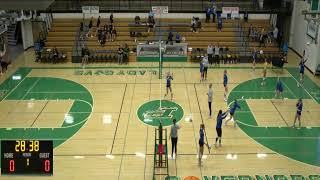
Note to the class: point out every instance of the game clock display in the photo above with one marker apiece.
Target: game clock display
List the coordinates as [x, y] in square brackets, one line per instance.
[26, 157]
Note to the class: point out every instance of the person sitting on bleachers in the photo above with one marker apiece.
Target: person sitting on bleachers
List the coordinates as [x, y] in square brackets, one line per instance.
[170, 37]
[250, 32]
[275, 33]
[126, 51]
[120, 55]
[193, 24]
[219, 24]
[177, 38]
[151, 23]
[262, 38]
[137, 20]
[113, 33]
[55, 55]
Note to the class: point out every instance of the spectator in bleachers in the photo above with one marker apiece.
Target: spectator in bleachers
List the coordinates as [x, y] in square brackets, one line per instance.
[98, 22]
[178, 37]
[261, 38]
[250, 32]
[111, 18]
[275, 33]
[208, 14]
[245, 16]
[151, 23]
[81, 31]
[151, 14]
[110, 27]
[214, 14]
[193, 24]
[126, 51]
[210, 53]
[120, 55]
[219, 24]
[216, 54]
[84, 55]
[2, 53]
[90, 26]
[137, 20]
[170, 37]
[104, 38]
[55, 55]
[113, 33]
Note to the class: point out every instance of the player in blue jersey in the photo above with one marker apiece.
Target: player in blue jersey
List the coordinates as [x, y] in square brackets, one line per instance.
[225, 84]
[233, 109]
[201, 71]
[220, 117]
[299, 106]
[279, 89]
[254, 58]
[169, 78]
[201, 143]
[301, 68]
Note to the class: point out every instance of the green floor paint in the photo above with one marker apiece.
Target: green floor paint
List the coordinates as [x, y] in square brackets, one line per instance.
[300, 144]
[150, 112]
[46, 88]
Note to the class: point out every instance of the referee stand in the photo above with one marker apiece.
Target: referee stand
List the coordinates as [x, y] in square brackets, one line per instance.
[160, 166]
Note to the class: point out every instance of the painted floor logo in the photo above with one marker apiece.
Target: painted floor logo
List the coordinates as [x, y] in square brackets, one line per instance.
[150, 113]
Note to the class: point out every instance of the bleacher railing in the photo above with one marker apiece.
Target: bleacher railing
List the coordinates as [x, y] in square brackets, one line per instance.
[174, 5]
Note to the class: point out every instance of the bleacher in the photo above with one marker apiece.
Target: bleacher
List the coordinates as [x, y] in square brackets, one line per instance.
[63, 35]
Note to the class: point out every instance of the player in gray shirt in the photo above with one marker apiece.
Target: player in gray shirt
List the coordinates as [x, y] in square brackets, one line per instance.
[174, 137]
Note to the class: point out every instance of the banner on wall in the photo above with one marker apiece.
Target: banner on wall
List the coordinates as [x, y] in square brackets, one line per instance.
[312, 30]
[90, 9]
[160, 9]
[230, 10]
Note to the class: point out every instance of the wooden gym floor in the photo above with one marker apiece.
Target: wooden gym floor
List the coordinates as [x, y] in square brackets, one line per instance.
[106, 139]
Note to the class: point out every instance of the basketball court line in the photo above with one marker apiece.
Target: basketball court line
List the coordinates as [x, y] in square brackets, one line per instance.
[278, 113]
[13, 89]
[303, 87]
[290, 90]
[64, 126]
[39, 113]
[125, 139]
[115, 132]
[193, 128]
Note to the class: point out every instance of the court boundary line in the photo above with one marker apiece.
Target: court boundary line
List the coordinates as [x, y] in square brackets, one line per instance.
[39, 113]
[279, 113]
[304, 87]
[125, 137]
[116, 130]
[290, 90]
[13, 89]
[193, 128]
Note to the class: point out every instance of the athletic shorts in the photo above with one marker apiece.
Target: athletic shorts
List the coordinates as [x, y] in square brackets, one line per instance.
[219, 132]
[299, 113]
[201, 143]
[205, 69]
[231, 113]
[225, 85]
[168, 85]
[301, 72]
